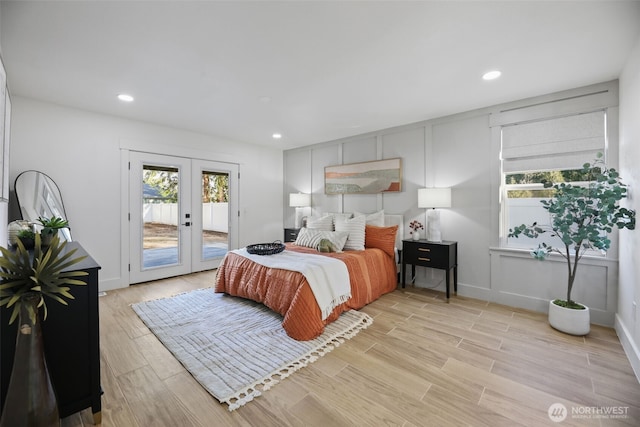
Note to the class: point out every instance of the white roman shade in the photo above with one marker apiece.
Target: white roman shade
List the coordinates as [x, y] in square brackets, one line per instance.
[555, 144]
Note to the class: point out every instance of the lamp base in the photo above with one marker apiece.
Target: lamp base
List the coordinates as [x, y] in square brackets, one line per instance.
[300, 218]
[433, 226]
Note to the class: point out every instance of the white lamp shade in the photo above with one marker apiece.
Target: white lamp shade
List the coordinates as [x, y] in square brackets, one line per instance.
[299, 200]
[434, 198]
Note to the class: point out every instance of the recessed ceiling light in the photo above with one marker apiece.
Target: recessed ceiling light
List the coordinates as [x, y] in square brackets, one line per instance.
[277, 135]
[126, 98]
[491, 75]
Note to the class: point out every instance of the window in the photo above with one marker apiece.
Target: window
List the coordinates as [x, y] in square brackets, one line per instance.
[550, 150]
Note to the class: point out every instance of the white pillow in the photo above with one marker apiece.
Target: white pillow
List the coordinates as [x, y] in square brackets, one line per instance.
[340, 215]
[376, 218]
[324, 222]
[355, 227]
[311, 238]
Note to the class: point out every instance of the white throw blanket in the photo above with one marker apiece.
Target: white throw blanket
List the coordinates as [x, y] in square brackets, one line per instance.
[328, 277]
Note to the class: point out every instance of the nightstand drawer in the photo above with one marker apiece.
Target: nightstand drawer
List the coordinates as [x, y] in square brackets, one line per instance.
[423, 253]
[428, 255]
[291, 234]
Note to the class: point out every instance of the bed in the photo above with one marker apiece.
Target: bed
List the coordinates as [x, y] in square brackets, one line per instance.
[372, 273]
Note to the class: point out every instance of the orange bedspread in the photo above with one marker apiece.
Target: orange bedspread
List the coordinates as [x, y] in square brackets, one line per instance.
[372, 273]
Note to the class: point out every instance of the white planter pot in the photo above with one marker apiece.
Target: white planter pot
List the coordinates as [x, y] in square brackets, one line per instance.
[568, 320]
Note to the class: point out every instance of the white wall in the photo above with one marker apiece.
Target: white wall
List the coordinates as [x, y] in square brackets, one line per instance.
[81, 151]
[452, 151]
[628, 314]
[459, 151]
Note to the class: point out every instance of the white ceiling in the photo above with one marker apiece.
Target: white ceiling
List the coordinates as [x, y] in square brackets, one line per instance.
[329, 69]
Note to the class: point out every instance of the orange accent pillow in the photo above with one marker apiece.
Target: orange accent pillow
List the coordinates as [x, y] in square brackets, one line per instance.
[381, 237]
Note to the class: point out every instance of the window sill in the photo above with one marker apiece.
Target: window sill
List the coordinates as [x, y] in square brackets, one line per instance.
[526, 253]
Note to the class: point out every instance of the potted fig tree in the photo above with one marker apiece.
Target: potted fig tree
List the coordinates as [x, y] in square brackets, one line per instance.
[582, 216]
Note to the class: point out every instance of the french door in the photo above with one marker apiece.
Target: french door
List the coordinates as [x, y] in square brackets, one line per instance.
[180, 215]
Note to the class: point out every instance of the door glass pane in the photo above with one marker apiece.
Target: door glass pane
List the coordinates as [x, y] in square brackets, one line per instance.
[215, 214]
[160, 213]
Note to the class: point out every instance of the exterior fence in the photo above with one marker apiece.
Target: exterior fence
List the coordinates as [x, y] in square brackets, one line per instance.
[215, 216]
[527, 211]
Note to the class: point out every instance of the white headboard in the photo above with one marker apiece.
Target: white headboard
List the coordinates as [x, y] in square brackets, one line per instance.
[398, 220]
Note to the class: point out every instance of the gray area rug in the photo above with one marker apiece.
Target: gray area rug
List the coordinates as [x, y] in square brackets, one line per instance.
[234, 347]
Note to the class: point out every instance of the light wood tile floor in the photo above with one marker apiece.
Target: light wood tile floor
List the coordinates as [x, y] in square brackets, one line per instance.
[423, 362]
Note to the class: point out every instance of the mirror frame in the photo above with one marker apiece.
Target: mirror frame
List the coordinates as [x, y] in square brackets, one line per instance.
[51, 191]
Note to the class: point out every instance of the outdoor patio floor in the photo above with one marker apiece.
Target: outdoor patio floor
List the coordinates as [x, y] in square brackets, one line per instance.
[159, 257]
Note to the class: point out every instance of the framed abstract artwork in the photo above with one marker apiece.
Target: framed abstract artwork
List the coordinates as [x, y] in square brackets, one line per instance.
[379, 176]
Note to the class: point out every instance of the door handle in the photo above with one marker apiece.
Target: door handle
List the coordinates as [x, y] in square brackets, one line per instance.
[187, 224]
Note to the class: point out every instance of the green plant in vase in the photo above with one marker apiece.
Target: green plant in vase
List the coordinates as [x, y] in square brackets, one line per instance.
[582, 216]
[27, 237]
[50, 227]
[27, 280]
[22, 273]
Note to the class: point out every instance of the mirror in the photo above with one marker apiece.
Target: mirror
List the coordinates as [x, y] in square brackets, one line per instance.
[39, 196]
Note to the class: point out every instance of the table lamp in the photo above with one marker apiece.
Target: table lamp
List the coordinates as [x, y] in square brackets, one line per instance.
[432, 198]
[299, 201]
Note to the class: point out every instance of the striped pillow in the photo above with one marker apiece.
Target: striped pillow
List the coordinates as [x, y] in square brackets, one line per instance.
[320, 222]
[341, 215]
[382, 238]
[311, 238]
[355, 227]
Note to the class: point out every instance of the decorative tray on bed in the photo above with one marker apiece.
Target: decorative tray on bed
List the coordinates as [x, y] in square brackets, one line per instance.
[266, 248]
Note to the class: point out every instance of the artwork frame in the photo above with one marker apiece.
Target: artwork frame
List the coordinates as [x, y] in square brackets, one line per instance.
[373, 177]
[5, 133]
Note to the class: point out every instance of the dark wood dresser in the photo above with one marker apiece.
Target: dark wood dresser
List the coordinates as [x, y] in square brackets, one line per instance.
[71, 341]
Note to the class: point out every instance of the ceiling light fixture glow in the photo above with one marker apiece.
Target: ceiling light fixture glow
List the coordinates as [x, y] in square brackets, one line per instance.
[277, 135]
[491, 75]
[124, 97]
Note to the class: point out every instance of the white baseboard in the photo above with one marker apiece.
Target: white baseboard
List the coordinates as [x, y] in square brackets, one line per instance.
[598, 317]
[630, 348]
[111, 284]
[476, 292]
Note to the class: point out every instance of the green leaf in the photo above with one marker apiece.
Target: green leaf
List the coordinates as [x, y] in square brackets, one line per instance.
[40, 272]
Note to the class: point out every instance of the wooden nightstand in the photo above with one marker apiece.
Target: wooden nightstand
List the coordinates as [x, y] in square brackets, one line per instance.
[291, 234]
[441, 255]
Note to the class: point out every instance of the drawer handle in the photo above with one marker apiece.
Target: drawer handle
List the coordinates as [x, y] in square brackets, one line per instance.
[424, 259]
[424, 249]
